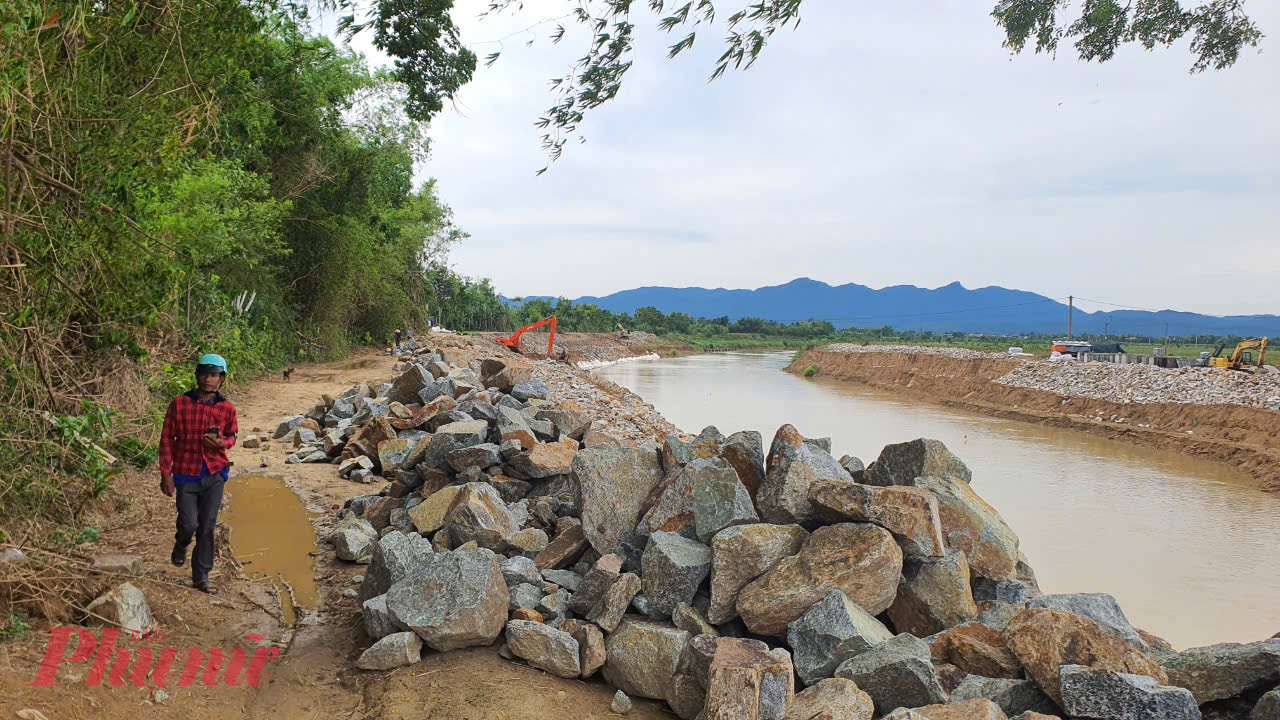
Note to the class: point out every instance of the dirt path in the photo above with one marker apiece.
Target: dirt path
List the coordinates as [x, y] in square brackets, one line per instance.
[1240, 436]
[315, 676]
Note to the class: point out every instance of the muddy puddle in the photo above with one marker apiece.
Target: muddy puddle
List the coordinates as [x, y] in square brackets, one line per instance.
[272, 536]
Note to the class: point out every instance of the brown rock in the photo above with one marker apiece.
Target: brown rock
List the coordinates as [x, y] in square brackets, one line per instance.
[591, 646]
[934, 595]
[1155, 641]
[429, 515]
[861, 560]
[911, 514]
[379, 511]
[479, 515]
[527, 614]
[563, 550]
[747, 683]
[433, 480]
[831, 699]
[971, 525]
[671, 505]
[1043, 640]
[976, 709]
[599, 439]
[546, 459]
[977, 649]
[420, 415]
[949, 676]
[367, 438]
[743, 553]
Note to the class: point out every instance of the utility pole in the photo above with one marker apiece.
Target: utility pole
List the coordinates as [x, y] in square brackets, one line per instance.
[1166, 334]
[1106, 328]
[1071, 304]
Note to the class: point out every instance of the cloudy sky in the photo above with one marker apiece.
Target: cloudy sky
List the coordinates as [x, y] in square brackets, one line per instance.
[880, 143]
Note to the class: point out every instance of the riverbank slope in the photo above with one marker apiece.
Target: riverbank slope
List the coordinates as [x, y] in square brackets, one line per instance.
[1243, 437]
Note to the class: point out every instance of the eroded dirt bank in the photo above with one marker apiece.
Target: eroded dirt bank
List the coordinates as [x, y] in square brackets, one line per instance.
[1239, 436]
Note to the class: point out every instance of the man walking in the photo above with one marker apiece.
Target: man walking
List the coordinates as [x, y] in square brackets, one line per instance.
[199, 427]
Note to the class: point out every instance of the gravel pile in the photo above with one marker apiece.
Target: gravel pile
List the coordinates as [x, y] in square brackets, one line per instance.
[1146, 384]
[956, 353]
[614, 409]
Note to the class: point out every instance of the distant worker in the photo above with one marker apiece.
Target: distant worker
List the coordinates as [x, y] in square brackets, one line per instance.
[397, 338]
[199, 427]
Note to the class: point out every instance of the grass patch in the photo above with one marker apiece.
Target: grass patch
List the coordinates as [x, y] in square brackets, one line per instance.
[14, 626]
[811, 371]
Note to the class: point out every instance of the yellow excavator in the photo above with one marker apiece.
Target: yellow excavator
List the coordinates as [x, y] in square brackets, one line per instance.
[1242, 358]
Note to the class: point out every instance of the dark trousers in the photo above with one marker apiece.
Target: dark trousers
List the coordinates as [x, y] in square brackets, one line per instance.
[198, 504]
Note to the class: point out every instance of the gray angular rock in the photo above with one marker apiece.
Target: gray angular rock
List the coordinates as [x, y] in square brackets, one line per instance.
[1225, 670]
[444, 417]
[118, 564]
[743, 553]
[621, 703]
[902, 463]
[934, 595]
[745, 452]
[406, 387]
[642, 657]
[530, 389]
[524, 596]
[609, 611]
[567, 579]
[672, 568]
[459, 600]
[831, 631]
[353, 540]
[852, 464]
[124, 606]
[720, 500]
[287, 424]
[1098, 607]
[377, 619]
[1108, 695]
[570, 423]
[1268, 707]
[544, 647]
[687, 617]
[792, 466]
[482, 456]
[554, 606]
[519, 569]
[612, 484]
[1001, 591]
[685, 696]
[896, 673]
[529, 541]
[831, 699]
[479, 515]
[467, 433]
[595, 583]
[512, 425]
[392, 651]
[1013, 696]
[393, 558]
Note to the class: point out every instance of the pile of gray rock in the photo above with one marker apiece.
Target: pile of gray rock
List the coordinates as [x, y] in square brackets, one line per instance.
[955, 353]
[1127, 384]
[731, 583]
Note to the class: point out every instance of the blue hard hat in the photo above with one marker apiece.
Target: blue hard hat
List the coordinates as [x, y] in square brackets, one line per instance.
[216, 361]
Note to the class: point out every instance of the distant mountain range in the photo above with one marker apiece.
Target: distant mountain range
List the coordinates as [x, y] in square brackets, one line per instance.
[907, 307]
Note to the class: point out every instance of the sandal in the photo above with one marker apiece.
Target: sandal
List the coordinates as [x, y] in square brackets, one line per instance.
[179, 556]
[206, 587]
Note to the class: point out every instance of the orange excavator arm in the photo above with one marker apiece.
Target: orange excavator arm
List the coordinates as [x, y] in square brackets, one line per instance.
[513, 342]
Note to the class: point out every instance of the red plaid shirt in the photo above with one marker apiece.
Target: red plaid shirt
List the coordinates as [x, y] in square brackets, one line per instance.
[182, 448]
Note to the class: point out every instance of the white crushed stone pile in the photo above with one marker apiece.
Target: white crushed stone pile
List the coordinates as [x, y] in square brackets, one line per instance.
[1147, 384]
[951, 352]
[614, 409]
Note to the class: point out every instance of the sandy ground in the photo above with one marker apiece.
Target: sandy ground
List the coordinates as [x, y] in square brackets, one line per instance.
[315, 676]
[1242, 437]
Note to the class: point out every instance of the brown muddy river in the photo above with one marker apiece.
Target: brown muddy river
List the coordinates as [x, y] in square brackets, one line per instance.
[1191, 552]
[272, 537]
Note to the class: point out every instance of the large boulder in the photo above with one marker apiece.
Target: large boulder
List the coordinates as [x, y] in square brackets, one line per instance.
[1108, 695]
[1044, 640]
[479, 515]
[964, 710]
[1225, 670]
[392, 651]
[570, 423]
[544, 647]
[405, 388]
[861, 560]
[395, 557]
[831, 631]
[353, 540]
[458, 600]
[671, 570]
[971, 525]
[504, 374]
[1013, 696]
[745, 452]
[896, 673]
[748, 683]
[902, 463]
[641, 657]
[934, 595]
[1098, 607]
[793, 465]
[670, 506]
[743, 553]
[911, 514]
[1268, 707]
[612, 484]
[831, 699]
[720, 500]
[978, 649]
[124, 606]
